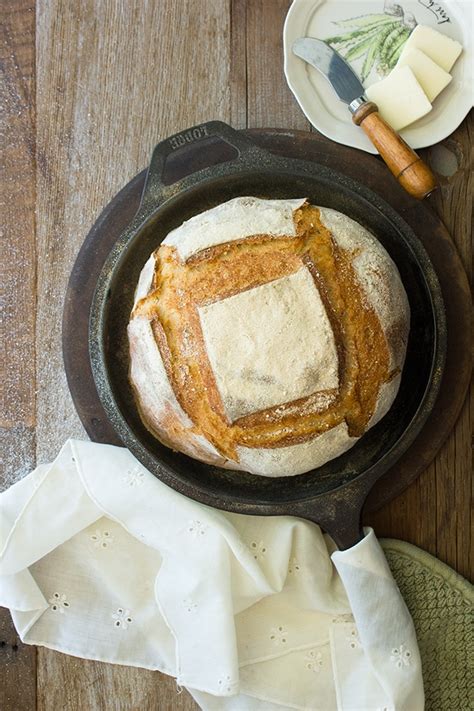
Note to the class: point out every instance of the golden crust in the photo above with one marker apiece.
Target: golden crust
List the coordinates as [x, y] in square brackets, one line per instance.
[179, 288]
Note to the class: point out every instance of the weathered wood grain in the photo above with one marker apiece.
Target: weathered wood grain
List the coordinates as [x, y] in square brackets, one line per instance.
[17, 205]
[114, 77]
[269, 101]
[238, 63]
[17, 669]
[435, 513]
[72, 684]
[17, 277]
[453, 158]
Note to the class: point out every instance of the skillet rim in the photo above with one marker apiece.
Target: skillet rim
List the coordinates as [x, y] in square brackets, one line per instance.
[165, 472]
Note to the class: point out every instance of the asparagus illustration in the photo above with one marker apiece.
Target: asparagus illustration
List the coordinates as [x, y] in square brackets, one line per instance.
[379, 38]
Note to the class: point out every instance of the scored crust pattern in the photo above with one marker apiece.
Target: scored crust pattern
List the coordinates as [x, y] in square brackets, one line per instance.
[174, 383]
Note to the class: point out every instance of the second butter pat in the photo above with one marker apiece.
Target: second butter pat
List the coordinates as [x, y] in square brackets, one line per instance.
[440, 48]
[400, 98]
[431, 77]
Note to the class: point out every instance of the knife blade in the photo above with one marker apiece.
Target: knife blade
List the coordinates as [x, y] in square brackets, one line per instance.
[335, 69]
[407, 167]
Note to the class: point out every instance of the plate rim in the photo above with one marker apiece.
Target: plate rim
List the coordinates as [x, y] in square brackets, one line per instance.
[440, 131]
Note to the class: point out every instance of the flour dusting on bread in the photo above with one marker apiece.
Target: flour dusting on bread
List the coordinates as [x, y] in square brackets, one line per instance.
[267, 336]
[234, 220]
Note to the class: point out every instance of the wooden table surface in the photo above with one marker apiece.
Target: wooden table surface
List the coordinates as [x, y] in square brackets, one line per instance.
[88, 88]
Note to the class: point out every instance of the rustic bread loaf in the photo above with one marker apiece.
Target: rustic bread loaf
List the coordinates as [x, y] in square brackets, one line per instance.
[267, 336]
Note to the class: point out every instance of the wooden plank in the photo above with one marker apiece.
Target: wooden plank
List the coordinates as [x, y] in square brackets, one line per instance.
[435, 513]
[71, 684]
[17, 375]
[18, 244]
[17, 669]
[116, 74]
[453, 161]
[113, 79]
[270, 103]
[402, 518]
[238, 63]
[453, 202]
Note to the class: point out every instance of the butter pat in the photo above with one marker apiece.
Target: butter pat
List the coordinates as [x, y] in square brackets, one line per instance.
[400, 98]
[441, 49]
[429, 75]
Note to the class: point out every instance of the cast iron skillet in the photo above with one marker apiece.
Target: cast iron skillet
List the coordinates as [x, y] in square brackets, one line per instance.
[332, 495]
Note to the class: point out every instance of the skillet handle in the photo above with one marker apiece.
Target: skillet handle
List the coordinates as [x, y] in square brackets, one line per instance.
[339, 512]
[214, 141]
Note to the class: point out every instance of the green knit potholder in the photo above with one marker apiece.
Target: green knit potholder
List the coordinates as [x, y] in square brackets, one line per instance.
[441, 604]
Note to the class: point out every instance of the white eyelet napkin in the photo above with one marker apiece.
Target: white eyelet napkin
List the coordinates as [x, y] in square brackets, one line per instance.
[101, 560]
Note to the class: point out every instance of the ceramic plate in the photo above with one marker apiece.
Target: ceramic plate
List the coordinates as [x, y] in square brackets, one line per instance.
[348, 21]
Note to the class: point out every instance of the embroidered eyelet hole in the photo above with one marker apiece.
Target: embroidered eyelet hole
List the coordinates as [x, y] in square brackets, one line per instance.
[401, 657]
[122, 618]
[353, 639]
[197, 528]
[258, 549]
[225, 683]
[58, 602]
[314, 661]
[134, 477]
[101, 539]
[278, 635]
[294, 566]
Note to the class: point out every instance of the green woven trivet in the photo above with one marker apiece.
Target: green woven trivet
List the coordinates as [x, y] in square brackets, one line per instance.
[441, 603]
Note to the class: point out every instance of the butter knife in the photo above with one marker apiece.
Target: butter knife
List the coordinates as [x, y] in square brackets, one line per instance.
[407, 167]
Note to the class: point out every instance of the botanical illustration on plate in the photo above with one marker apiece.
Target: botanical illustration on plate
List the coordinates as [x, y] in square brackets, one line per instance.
[377, 38]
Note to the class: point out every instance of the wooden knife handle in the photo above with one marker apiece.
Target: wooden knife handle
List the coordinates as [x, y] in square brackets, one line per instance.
[408, 168]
